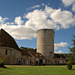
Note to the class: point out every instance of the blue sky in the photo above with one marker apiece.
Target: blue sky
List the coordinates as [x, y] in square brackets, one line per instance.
[22, 18]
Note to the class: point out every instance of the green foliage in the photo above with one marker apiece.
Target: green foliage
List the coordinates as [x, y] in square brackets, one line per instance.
[72, 51]
[24, 48]
[2, 63]
[28, 49]
[1, 60]
[69, 65]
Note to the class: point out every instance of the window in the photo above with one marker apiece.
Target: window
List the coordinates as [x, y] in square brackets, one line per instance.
[60, 61]
[6, 52]
[23, 61]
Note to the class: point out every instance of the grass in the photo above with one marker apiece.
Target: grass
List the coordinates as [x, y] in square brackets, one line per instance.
[34, 70]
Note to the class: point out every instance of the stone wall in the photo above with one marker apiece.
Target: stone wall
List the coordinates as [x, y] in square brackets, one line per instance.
[59, 61]
[26, 60]
[11, 56]
[45, 43]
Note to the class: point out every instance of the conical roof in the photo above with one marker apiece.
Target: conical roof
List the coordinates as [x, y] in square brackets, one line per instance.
[7, 40]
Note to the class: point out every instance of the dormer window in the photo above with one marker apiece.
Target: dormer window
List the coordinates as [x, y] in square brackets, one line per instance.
[6, 52]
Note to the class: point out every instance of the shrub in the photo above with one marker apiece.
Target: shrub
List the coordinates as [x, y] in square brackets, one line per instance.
[1, 60]
[69, 65]
[1, 63]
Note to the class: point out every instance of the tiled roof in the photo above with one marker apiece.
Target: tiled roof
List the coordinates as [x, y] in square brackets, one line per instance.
[24, 52]
[36, 54]
[59, 55]
[7, 40]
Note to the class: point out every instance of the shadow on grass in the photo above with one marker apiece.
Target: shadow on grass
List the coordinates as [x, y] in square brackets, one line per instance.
[7, 68]
[72, 69]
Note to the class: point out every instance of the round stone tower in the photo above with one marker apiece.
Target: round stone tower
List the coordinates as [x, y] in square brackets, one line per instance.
[45, 43]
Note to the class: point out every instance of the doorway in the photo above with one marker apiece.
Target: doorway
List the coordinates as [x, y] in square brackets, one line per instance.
[40, 61]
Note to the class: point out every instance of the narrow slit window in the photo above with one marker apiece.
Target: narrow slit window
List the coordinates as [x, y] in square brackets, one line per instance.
[6, 52]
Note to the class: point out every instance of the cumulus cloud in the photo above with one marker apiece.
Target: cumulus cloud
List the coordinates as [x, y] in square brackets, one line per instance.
[38, 19]
[49, 10]
[73, 7]
[2, 20]
[65, 18]
[18, 20]
[59, 52]
[19, 32]
[68, 3]
[50, 18]
[61, 44]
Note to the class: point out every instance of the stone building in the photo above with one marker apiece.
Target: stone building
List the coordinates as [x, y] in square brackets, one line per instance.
[59, 58]
[37, 58]
[45, 43]
[26, 58]
[12, 54]
[9, 50]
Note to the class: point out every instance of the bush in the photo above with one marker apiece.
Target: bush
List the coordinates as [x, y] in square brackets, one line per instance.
[1, 60]
[69, 65]
[1, 63]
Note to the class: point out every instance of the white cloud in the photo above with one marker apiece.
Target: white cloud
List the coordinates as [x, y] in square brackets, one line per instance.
[38, 19]
[18, 20]
[33, 7]
[19, 32]
[36, 6]
[73, 7]
[50, 18]
[43, 4]
[59, 52]
[68, 2]
[64, 18]
[2, 20]
[49, 10]
[61, 44]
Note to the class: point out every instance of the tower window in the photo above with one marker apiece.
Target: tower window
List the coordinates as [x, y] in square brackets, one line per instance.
[6, 52]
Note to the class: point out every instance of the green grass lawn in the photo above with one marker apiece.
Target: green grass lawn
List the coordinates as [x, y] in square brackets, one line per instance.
[36, 71]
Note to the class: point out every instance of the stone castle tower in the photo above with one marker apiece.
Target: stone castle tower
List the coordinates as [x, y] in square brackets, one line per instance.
[45, 43]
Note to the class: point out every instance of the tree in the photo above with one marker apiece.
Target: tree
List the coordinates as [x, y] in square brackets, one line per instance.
[24, 48]
[72, 51]
[28, 49]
